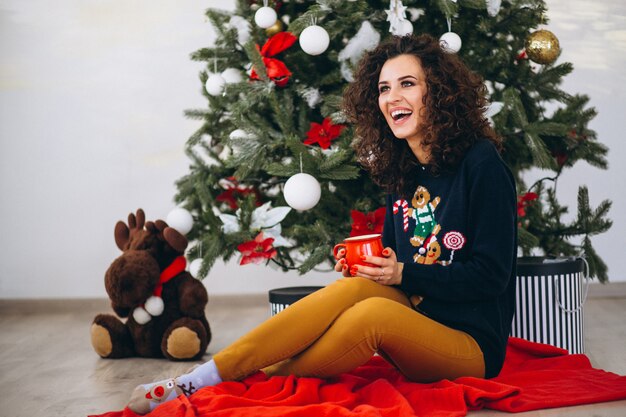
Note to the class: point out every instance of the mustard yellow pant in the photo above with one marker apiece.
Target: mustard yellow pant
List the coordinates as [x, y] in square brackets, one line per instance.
[341, 326]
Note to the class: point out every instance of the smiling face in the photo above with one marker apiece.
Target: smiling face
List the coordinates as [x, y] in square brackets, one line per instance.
[421, 197]
[402, 88]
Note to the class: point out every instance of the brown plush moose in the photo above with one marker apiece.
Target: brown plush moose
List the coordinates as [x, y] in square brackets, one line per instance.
[149, 285]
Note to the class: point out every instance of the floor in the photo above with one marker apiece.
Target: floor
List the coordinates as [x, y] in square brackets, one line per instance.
[48, 368]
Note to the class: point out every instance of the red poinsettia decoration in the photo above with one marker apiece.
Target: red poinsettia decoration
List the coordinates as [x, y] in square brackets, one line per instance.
[235, 191]
[276, 69]
[522, 203]
[367, 223]
[323, 134]
[256, 250]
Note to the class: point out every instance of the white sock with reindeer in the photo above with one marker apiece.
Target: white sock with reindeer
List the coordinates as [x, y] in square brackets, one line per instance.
[146, 397]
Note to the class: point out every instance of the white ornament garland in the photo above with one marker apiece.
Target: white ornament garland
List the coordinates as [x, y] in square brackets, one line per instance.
[242, 27]
[366, 39]
[493, 7]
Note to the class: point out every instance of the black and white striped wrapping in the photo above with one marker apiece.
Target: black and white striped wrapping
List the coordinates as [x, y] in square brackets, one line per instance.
[281, 298]
[549, 302]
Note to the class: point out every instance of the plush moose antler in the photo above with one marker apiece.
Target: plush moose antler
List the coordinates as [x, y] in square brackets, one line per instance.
[126, 235]
[134, 235]
[173, 237]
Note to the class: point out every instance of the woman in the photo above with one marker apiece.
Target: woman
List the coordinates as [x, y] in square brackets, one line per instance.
[440, 301]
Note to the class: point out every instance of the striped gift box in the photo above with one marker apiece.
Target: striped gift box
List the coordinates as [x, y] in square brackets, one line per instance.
[281, 298]
[549, 301]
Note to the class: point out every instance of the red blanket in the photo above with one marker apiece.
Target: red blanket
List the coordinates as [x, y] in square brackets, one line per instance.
[534, 376]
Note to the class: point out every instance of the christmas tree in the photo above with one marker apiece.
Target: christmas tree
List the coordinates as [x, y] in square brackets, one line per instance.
[273, 138]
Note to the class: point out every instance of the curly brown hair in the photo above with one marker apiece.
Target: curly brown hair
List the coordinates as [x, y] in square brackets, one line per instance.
[454, 104]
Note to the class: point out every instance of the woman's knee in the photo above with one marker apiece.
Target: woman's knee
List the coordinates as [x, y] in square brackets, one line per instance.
[365, 322]
[372, 312]
[354, 288]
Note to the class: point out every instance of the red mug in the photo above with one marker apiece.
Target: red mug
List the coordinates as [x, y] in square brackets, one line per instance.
[357, 246]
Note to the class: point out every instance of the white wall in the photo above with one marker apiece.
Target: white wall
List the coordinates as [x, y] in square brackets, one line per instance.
[593, 37]
[91, 127]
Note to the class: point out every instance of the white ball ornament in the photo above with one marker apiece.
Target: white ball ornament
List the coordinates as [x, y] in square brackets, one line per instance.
[194, 267]
[215, 84]
[265, 17]
[232, 76]
[450, 42]
[302, 191]
[314, 40]
[180, 219]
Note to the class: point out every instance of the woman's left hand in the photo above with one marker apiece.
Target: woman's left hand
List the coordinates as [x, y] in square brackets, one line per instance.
[387, 269]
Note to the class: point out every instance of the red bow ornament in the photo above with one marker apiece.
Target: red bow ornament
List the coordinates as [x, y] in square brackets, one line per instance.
[276, 69]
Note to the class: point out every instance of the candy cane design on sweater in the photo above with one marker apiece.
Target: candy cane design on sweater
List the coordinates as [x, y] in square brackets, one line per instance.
[405, 212]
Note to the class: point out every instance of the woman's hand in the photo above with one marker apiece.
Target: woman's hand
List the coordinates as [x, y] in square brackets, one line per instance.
[387, 270]
[342, 265]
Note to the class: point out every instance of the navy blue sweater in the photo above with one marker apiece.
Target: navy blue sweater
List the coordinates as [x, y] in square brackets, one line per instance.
[457, 238]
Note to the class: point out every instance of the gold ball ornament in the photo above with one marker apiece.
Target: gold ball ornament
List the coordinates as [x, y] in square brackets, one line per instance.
[275, 28]
[542, 47]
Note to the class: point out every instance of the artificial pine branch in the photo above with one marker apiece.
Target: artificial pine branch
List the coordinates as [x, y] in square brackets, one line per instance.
[473, 4]
[538, 150]
[597, 267]
[344, 172]
[448, 7]
[315, 13]
[317, 256]
[257, 60]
